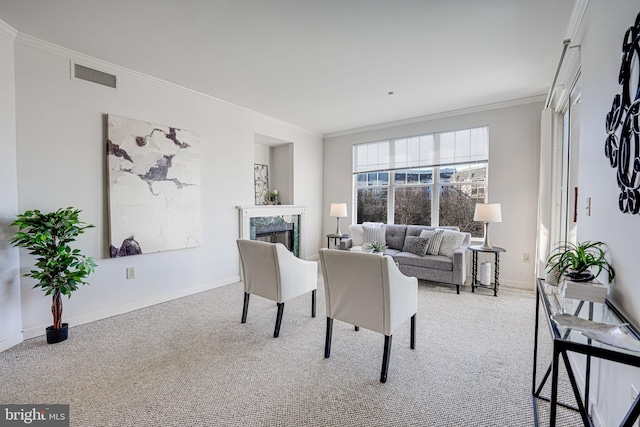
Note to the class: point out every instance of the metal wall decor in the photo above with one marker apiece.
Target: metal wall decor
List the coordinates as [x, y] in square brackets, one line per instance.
[622, 146]
[261, 183]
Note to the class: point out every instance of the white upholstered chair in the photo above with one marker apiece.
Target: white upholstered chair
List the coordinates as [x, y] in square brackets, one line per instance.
[272, 272]
[368, 291]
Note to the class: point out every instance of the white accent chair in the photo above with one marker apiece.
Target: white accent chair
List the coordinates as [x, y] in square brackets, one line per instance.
[368, 290]
[271, 271]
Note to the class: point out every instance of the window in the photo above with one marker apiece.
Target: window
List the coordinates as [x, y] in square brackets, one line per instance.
[427, 180]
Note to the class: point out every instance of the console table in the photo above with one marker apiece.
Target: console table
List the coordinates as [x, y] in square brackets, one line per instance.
[496, 268]
[566, 340]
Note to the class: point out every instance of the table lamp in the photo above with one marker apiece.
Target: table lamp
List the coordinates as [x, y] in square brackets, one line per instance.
[487, 212]
[339, 210]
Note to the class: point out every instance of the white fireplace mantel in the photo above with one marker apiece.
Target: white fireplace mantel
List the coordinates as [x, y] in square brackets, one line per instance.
[258, 211]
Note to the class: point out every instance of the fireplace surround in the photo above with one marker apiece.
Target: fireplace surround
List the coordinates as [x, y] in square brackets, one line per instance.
[274, 223]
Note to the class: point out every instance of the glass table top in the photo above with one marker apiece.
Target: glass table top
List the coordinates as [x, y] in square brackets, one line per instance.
[609, 329]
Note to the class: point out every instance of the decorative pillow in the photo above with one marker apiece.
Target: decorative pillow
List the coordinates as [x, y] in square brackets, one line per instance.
[373, 233]
[451, 240]
[415, 245]
[357, 234]
[374, 224]
[434, 241]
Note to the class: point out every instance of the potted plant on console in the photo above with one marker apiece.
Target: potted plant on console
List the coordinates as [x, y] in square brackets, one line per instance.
[578, 262]
[59, 269]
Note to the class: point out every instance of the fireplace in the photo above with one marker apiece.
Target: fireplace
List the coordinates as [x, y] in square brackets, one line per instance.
[274, 223]
[281, 233]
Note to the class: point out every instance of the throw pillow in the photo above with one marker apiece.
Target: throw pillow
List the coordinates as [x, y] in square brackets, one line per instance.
[434, 242]
[374, 234]
[451, 240]
[415, 245]
[374, 224]
[357, 234]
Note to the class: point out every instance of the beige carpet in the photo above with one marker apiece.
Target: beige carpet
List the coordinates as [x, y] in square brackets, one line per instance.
[190, 362]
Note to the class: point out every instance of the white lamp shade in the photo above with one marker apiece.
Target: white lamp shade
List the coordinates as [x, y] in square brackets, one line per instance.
[338, 209]
[488, 212]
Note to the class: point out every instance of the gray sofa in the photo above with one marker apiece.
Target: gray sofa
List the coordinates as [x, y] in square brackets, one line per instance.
[436, 268]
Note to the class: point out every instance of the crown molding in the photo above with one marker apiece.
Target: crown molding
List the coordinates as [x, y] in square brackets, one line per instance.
[443, 115]
[575, 19]
[82, 58]
[7, 30]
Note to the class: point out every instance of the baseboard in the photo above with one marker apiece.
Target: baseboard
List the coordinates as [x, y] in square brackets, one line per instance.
[114, 311]
[13, 340]
[511, 284]
[595, 416]
[516, 284]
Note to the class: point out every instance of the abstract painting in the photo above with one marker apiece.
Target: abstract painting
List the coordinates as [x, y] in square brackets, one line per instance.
[154, 187]
[261, 183]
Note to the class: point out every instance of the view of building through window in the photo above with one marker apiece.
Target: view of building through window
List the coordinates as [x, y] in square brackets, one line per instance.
[428, 180]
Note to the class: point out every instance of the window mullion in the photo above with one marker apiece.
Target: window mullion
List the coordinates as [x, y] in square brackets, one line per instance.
[435, 192]
[391, 184]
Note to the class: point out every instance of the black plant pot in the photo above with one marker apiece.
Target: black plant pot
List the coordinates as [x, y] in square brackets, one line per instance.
[57, 335]
[579, 277]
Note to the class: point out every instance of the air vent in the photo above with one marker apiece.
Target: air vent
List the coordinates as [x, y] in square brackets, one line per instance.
[95, 76]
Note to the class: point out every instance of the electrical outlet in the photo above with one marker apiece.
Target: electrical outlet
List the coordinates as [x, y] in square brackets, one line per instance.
[131, 272]
[526, 257]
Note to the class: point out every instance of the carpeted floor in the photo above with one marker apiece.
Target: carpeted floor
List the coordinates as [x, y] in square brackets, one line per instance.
[190, 362]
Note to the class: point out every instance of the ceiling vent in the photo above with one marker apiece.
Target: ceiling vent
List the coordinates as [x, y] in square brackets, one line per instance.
[95, 76]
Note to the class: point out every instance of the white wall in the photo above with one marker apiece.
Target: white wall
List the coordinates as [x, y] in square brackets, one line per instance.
[514, 132]
[262, 156]
[10, 321]
[282, 172]
[602, 30]
[61, 162]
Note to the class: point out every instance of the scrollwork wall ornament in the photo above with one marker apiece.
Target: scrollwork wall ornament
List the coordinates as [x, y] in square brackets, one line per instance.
[622, 146]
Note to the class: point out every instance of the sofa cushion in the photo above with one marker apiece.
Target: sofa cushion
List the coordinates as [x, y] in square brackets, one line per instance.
[373, 233]
[436, 262]
[395, 235]
[435, 239]
[415, 245]
[451, 240]
[357, 234]
[415, 230]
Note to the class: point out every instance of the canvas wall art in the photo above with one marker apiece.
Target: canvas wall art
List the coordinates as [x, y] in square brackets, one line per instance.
[154, 187]
[261, 183]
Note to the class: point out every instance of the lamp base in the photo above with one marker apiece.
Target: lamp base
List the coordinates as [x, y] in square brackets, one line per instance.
[486, 245]
[338, 232]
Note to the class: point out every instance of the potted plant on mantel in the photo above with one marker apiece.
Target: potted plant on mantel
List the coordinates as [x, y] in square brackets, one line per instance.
[577, 262]
[59, 269]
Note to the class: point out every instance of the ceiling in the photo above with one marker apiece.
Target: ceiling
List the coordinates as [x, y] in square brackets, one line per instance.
[325, 65]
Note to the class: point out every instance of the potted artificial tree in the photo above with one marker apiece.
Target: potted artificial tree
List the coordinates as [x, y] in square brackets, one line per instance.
[59, 269]
[578, 261]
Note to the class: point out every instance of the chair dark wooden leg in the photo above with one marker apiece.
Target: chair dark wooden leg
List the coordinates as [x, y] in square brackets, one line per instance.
[413, 332]
[327, 342]
[245, 308]
[276, 332]
[458, 289]
[313, 303]
[385, 358]
[357, 328]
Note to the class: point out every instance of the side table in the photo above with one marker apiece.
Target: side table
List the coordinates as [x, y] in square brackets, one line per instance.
[336, 238]
[496, 268]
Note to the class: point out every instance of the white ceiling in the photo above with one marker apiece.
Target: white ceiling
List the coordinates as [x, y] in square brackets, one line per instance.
[325, 65]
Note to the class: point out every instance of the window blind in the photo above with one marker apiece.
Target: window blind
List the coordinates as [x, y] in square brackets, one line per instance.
[438, 149]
